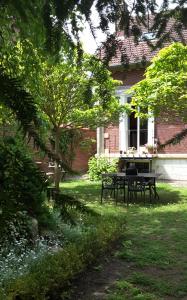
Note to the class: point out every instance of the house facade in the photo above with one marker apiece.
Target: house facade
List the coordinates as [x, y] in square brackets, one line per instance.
[127, 138]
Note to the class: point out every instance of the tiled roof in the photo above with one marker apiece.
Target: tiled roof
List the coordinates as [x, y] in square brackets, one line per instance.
[141, 52]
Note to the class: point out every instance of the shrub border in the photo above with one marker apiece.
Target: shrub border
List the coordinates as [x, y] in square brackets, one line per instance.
[56, 270]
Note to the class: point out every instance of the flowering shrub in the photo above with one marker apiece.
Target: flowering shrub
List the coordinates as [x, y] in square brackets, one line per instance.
[17, 259]
[151, 148]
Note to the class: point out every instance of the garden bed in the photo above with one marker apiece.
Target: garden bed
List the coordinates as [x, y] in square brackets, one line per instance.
[50, 274]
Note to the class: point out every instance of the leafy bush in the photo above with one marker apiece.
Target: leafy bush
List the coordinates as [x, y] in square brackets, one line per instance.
[97, 166]
[21, 181]
[47, 276]
[21, 187]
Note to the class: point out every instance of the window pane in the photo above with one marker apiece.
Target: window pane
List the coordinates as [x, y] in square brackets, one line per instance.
[132, 130]
[143, 132]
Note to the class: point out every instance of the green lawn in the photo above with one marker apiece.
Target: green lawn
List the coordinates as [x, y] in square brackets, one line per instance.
[154, 246]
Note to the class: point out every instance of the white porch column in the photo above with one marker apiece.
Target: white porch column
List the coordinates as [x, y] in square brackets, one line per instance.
[151, 131]
[123, 121]
[100, 141]
[138, 134]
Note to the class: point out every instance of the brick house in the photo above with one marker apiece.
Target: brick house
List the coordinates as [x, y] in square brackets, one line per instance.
[129, 132]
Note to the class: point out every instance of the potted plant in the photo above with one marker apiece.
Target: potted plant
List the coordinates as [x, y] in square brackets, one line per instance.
[131, 150]
[151, 148]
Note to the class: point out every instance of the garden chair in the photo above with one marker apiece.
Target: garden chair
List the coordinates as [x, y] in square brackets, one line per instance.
[131, 171]
[135, 185]
[108, 184]
[121, 184]
[150, 185]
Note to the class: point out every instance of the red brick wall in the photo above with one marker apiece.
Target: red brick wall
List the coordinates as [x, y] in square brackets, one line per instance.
[164, 132]
[80, 163]
[112, 141]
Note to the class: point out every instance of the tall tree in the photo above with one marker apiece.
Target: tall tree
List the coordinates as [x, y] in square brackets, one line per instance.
[66, 94]
[77, 96]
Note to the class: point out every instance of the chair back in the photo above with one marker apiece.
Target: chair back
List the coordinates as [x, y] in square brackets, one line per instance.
[135, 182]
[131, 171]
[108, 180]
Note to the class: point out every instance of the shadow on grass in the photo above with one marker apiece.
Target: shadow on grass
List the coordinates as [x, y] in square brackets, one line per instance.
[169, 194]
[156, 243]
[83, 190]
[88, 191]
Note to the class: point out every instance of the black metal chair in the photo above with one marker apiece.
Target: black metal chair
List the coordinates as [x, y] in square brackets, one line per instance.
[150, 185]
[120, 183]
[108, 184]
[135, 185]
[131, 171]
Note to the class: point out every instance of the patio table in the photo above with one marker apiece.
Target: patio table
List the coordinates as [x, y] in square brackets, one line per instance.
[147, 176]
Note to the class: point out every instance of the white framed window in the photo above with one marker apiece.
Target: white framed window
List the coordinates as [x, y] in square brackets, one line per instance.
[133, 132]
[137, 130]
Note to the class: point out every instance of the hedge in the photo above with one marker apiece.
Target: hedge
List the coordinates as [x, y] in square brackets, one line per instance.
[55, 270]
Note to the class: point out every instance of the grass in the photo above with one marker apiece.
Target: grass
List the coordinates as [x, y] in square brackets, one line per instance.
[124, 290]
[155, 243]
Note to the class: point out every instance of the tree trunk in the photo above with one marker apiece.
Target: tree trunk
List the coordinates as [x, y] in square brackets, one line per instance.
[57, 173]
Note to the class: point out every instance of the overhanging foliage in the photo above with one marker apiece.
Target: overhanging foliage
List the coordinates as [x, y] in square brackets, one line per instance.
[163, 92]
